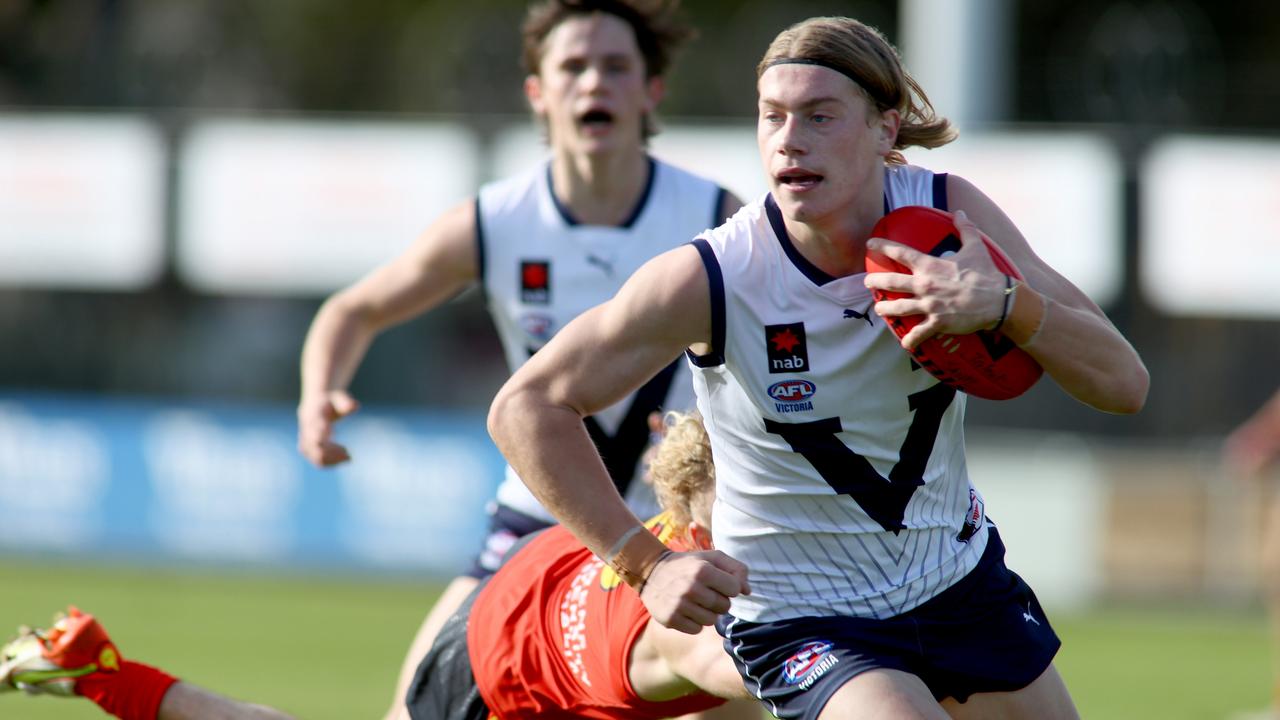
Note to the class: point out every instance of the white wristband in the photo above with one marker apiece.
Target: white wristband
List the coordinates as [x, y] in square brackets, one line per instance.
[610, 556]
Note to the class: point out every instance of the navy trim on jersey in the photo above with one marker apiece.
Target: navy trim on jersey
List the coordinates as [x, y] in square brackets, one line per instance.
[570, 220]
[816, 275]
[716, 220]
[715, 279]
[479, 243]
[621, 451]
[644, 196]
[940, 191]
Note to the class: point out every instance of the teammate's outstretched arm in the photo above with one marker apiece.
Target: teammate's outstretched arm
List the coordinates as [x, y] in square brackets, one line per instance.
[536, 420]
[441, 263]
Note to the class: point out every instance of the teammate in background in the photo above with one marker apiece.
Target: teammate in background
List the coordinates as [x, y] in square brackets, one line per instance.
[877, 588]
[546, 245]
[1249, 451]
[502, 654]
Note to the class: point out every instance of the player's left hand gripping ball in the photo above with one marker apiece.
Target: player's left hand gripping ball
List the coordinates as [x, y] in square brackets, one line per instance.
[986, 363]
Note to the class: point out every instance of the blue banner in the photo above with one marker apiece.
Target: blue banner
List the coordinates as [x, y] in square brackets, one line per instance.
[216, 483]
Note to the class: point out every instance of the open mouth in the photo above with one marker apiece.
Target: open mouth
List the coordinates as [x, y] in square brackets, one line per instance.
[596, 118]
[798, 179]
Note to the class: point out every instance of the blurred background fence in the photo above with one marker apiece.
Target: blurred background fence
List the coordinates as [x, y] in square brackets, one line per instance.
[181, 184]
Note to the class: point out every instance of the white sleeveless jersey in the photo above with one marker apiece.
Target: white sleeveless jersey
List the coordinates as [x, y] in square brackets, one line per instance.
[541, 269]
[840, 464]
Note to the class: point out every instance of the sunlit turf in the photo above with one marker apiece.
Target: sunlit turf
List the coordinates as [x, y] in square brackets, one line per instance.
[330, 648]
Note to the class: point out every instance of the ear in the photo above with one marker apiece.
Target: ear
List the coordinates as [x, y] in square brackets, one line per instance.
[699, 535]
[533, 91]
[888, 124]
[656, 89]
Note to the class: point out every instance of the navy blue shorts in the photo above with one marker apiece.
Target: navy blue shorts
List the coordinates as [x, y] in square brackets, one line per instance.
[986, 633]
[506, 526]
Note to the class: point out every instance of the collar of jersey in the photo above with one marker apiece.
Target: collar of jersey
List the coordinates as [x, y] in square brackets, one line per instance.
[572, 221]
[816, 275]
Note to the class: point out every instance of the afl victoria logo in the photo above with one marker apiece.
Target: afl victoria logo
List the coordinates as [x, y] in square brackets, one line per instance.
[792, 390]
[808, 664]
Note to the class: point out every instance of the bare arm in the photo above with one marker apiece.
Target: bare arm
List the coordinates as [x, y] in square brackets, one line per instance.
[667, 664]
[1050, 318]
[536, 421]
[184, 701]
[440, 264]
[1255, 444]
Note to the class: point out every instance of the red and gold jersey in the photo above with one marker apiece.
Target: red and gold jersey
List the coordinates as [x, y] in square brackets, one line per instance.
[550, 636]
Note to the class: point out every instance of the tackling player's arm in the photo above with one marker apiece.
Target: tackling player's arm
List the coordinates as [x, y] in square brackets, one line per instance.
[596, 360]
[441, 263]
[1050, 317]
[667, 664]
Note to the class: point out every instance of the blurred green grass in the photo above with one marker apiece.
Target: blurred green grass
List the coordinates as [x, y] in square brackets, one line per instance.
[330, 648]
[315, 647]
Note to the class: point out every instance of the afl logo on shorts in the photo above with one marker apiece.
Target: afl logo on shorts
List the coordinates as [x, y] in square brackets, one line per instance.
[808, 664]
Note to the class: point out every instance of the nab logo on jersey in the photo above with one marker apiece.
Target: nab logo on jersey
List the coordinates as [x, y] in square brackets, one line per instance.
[535, 281]
[788, 352]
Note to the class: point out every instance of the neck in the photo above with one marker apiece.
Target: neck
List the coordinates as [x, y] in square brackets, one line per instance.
[600, 189]
[837, 243]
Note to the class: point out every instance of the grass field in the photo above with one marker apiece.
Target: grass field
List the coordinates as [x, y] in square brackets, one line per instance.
[330, 648]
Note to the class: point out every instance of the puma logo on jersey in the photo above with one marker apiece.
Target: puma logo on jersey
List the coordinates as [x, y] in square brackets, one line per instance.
[605, 266]
[786, 348]
[850, 313]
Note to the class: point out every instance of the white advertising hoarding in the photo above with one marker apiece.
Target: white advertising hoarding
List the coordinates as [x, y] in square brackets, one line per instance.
[81, 201]
[1206, 200]
[1062, 190]
[281, 207]
[724, 153]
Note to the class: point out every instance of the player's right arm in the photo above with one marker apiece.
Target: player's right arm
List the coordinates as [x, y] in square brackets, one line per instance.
[441, 263]
[595, 361]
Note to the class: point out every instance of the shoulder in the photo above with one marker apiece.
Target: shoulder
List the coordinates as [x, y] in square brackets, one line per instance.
[678, 174]
[689, 187]
[738, 235]
[503, 193]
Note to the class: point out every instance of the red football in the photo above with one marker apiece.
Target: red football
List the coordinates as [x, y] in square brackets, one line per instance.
[983, 364]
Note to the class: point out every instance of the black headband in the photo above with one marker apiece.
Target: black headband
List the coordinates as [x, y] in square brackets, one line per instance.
[829, 66]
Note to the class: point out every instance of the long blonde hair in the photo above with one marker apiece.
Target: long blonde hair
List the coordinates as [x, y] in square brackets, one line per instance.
[682, 472]
[861, 53]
